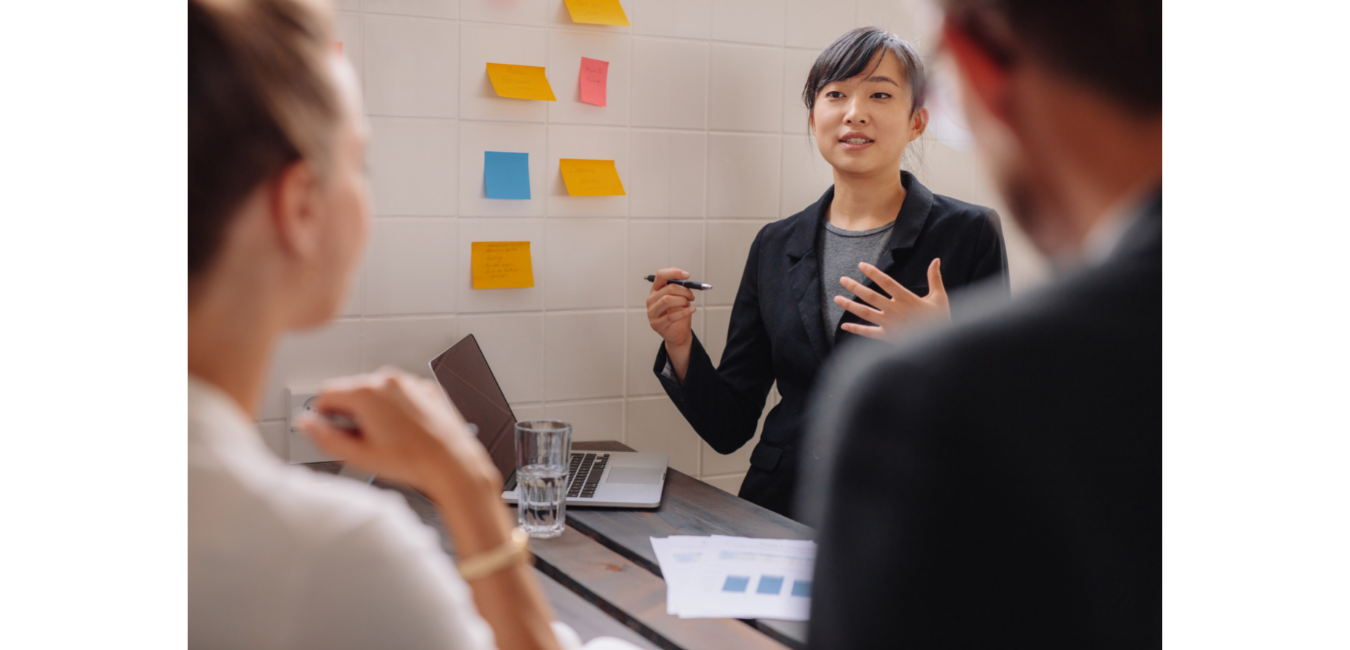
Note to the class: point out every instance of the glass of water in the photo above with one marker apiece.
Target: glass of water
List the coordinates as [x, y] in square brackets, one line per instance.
[542, 450]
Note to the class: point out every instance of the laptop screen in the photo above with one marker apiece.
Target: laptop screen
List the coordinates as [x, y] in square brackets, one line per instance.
[467, 380]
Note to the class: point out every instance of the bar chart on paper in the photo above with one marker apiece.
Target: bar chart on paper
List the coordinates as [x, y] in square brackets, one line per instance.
[737, 577]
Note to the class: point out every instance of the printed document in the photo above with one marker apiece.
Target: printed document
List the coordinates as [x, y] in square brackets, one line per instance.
[736, 577]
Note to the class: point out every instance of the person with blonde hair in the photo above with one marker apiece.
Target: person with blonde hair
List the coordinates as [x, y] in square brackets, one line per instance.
[278, 212]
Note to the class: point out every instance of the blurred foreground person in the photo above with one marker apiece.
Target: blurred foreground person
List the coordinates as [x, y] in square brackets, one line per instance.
[998, 483]
[278, 556]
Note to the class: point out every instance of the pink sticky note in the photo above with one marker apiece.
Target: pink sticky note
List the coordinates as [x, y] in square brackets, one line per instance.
[593, 76]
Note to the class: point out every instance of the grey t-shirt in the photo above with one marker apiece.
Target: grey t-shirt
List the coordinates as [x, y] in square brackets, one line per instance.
[840, 252]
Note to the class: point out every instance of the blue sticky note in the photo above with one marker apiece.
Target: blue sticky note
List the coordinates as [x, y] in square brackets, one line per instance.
[507, 175]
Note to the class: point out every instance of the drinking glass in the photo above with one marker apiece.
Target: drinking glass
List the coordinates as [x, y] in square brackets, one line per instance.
[542, 451]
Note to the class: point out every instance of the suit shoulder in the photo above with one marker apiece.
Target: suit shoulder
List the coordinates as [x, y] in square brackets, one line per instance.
[777, 233]
[787, 225]
[1101, 308]
[950, 212]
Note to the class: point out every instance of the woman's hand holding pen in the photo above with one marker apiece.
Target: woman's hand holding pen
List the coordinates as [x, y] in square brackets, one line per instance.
[411, 434]
[670, 313]
[408, 432]
[902, 309]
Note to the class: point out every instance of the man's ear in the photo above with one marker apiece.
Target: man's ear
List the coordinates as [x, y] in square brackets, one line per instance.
[983, 73]
[920, 125]
[295, 214]
[811, 120]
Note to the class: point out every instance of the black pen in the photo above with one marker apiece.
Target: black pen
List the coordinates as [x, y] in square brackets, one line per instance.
[688, 284]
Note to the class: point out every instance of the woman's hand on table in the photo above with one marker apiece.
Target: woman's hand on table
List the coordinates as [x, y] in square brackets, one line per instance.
[903, 309]
[670, 312]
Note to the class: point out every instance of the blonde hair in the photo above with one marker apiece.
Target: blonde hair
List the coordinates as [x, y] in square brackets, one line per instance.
[260, 97]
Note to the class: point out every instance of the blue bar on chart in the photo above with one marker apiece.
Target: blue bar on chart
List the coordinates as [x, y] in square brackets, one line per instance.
[736, 584]
[506, 175]
[801, 588]
[770, 585]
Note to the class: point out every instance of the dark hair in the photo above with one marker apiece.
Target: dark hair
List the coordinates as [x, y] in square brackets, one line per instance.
[259, 99]
[1113, 45]
[848, 56]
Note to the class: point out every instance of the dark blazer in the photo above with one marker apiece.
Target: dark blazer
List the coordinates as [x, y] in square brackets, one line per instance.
[998, 483]
[776, 331]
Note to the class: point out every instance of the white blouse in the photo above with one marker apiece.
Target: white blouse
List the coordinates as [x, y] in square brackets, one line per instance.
[284, 557]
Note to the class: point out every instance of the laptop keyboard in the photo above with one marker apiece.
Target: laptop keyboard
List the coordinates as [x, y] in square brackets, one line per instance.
[584, 472]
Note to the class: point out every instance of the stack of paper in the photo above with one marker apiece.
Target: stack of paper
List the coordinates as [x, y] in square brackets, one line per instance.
[736, 577]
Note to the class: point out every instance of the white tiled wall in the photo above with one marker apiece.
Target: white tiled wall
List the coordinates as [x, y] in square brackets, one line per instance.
[418, 57]
[413, 166]
[705, 125]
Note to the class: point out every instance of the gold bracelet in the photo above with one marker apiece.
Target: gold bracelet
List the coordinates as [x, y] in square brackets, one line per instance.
[514, 550]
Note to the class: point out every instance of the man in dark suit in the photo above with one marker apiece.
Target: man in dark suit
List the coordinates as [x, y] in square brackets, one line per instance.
[998, 482]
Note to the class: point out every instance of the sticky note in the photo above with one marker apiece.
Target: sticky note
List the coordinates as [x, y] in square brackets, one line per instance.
[597, 12]
[591, 177]
[502, 265]
[506, 175]
[520, 82]
[594, 75]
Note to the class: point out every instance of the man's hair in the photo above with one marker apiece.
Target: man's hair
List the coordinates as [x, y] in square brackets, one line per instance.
[1112, 45]
[849, 55]
[260, 97]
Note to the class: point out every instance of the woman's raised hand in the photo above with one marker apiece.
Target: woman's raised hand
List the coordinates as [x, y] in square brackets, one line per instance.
[670, 312]
[409, 431]
[669, 308]
[903, 309]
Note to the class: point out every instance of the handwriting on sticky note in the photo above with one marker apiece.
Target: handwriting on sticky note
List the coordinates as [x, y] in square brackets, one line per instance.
[591, 177]
[502, 265]
[506, 175]
[594, 77]
[520, 82]
[597, 12]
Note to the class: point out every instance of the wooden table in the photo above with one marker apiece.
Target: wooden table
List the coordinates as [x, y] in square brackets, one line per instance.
[603, 579]
[688, 507]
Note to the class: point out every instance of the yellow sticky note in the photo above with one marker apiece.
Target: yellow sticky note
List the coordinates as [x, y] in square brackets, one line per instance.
[591, 177]
[502, 265]
[597, 12]
[520, 82]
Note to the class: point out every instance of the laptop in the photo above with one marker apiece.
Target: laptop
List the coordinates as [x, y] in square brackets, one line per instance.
[615, 479]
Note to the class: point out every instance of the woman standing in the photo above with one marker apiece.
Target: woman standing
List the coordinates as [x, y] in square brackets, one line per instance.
[854, 263]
